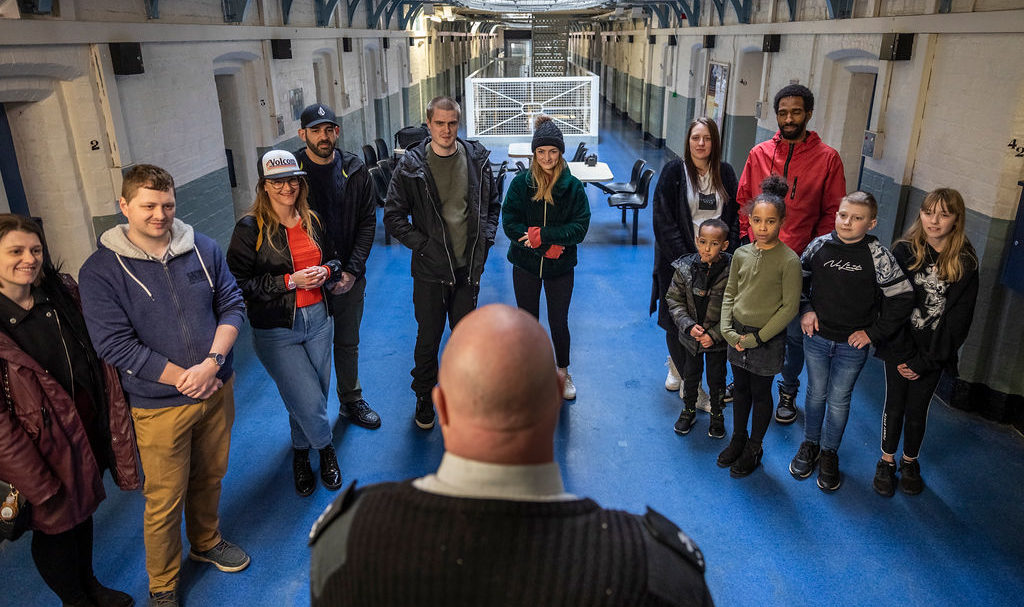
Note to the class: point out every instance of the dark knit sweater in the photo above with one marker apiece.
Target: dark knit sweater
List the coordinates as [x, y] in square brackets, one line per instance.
[397, 545]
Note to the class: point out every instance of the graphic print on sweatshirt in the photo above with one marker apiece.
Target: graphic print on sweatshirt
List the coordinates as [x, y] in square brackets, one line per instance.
[929, 313]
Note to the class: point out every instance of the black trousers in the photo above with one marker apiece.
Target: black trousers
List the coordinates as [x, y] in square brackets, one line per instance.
[693, 367]
[558, 293]
[64, 560]
[432, 303]
[750, 391]
[906, 410]
[347, 311]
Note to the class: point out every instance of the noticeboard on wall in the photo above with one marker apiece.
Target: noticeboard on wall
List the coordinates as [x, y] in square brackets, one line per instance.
[717, 90]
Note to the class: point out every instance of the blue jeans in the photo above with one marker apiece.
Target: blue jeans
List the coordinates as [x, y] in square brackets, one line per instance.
[794, 363]
[299, 361]
[832, 371]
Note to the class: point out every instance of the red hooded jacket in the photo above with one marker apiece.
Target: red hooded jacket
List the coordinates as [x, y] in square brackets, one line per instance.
[817, 184]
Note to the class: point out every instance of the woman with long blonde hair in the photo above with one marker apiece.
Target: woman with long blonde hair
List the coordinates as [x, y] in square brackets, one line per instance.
[545, 215]
[277, 255]
[942, 266]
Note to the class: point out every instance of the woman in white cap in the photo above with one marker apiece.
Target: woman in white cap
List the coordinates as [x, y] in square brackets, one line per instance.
[276, 255]
[545, 215]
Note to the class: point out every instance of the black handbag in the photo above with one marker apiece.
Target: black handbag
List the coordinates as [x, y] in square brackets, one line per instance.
[15, 511]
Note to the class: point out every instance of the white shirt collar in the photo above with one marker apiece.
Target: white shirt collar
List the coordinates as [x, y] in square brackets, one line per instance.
[461, 477]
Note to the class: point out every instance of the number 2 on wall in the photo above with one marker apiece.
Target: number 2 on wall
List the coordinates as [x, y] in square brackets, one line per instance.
[94, 144]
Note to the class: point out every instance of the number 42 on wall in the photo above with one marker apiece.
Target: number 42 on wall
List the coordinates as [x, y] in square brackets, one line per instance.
[1017, 148]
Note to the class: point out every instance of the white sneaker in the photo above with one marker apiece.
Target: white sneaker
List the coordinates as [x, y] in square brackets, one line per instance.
[672, 380]
[703, 399]
[569, 391]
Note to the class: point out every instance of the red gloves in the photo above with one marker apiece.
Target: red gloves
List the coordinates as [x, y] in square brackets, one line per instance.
[554, 251]
[534, 236]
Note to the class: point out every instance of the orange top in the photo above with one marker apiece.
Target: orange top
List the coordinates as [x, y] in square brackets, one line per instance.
[305, 254]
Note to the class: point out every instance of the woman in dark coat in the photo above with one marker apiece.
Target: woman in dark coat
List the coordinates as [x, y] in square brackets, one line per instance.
[63, 416]
[693, 188]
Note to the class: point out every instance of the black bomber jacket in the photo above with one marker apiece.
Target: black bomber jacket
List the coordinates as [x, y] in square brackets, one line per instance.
[269, 303]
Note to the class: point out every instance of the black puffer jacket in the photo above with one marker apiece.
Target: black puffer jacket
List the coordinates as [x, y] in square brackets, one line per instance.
[351, 221]
[269, 303]
[413, 192]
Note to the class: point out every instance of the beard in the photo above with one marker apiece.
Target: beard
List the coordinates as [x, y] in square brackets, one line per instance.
[795, 132]
[324, 149]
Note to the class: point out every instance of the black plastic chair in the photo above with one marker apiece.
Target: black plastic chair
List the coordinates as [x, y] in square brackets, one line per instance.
[625, 187]
[520, 166]
[380, 189]
[382, 149]
[369, 156]
[636, 200]
[499, 179]
[581, 153]
[387, 168]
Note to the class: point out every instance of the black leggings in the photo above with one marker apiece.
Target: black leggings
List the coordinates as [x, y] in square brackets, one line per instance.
[751, 391]
[64, 560]
[906, 410]
[558, 292]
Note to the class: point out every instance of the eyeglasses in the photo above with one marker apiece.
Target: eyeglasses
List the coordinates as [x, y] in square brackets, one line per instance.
[278, 184]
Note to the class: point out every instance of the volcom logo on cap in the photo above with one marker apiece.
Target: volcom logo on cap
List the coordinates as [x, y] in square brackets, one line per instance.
[281, 162]
[320, 110]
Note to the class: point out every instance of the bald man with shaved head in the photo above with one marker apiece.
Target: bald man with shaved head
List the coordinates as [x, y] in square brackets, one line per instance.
[494, 525]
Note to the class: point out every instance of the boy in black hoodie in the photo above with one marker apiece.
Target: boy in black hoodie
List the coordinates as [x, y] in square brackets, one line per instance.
[695, 303]
[855, 294]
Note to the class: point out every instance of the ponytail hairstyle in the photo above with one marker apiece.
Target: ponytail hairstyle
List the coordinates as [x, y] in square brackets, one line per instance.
[958, 256]
[543, 180]
[773, 191]
[714, 161]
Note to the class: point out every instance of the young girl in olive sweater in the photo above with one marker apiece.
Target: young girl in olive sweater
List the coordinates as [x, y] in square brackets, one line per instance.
[762, 296]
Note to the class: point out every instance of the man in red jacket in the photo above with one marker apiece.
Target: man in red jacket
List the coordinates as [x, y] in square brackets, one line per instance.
[814, 172]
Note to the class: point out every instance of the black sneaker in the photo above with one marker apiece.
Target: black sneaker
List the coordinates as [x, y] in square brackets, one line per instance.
[732, 452]
[748, 461]
[885, 478]
[424, 412]
[687, 418]
[829, 478]
[359, 413]
[786, 412]
[716, 429]
[330, 473]
[302, 472]
[805, 460]
[911, 482]
[728, 394]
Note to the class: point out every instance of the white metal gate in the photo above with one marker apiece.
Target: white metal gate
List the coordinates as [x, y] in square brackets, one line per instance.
[505, 107]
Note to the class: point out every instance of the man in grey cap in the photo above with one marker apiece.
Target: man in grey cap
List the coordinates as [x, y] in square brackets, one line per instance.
[340, 190]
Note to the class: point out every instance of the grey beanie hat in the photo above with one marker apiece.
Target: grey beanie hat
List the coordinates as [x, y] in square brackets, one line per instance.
[546, 133]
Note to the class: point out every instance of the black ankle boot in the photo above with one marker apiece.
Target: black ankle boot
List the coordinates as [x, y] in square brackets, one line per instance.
[107, 597]
[731, 453]
[716, 429]
[748, 461]
[302, 472]
[329, 472]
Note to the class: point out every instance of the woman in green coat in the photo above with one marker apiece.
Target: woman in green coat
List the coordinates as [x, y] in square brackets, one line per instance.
[545, 215]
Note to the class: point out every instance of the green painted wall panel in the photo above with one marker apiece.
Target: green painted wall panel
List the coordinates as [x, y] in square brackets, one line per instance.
[655, 122]
[737, 140]
[679, 112]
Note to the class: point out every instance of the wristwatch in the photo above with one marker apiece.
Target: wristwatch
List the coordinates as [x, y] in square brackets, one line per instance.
[217, 358]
